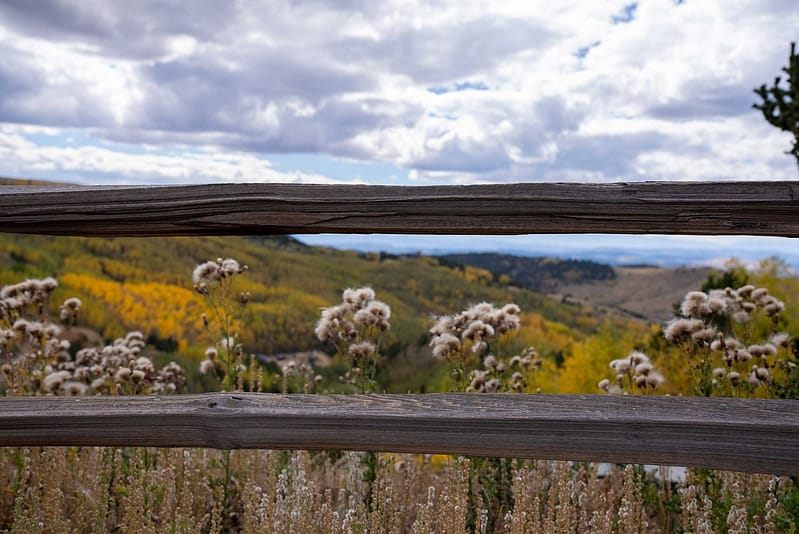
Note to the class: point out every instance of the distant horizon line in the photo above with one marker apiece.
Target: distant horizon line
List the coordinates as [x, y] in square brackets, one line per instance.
[614, 254]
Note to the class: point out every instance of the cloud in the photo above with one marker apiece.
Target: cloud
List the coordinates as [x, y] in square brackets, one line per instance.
[458, 91]
[449, 51]
[117, 29]
[91, 164]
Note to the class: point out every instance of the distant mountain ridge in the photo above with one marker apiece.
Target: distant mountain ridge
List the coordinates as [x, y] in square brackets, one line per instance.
[545, 274]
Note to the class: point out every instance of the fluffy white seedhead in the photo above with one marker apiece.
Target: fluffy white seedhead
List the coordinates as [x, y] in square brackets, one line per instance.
[679, 330]
[362, 350]
[207, 273]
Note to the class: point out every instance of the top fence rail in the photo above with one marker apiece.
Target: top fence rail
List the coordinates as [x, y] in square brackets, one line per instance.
[699, 208]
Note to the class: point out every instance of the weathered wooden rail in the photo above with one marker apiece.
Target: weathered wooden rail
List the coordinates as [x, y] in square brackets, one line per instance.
[747, 435]
[744, 435]
[737, 208]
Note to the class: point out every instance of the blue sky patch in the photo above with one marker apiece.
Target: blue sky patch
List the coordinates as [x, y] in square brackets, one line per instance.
[442, 116]
[463, 86]
[627, 14]
[75, 138]
[582, 52]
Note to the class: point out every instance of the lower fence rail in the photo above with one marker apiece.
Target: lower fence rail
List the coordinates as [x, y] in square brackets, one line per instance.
[751, 435]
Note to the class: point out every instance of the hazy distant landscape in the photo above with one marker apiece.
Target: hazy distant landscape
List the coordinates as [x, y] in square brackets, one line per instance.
[615, 250]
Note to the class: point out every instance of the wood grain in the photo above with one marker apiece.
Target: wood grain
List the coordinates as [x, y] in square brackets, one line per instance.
[731, 208]
[744, 435]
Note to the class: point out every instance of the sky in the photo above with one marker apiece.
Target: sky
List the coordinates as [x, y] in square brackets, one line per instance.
[392, 92]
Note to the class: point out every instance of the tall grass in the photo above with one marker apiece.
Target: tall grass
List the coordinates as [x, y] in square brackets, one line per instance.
[184, 490]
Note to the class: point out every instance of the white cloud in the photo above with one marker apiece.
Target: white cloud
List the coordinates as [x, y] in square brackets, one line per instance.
[566, 93]
[88, 164]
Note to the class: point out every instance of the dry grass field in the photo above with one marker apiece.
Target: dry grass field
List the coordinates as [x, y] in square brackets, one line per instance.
[638, 292]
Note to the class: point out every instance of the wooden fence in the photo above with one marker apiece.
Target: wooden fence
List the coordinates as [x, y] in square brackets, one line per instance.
[739, 434]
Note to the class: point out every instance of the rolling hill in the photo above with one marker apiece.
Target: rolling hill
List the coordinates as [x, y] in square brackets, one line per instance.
[545, 274]
[145, 284]
[636, 292]
[644, 292]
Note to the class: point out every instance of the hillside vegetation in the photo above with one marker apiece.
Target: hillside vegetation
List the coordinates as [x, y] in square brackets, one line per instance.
[647, 293]
[26, 181]
[644, 293]
[145, 284]
[541, 273]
